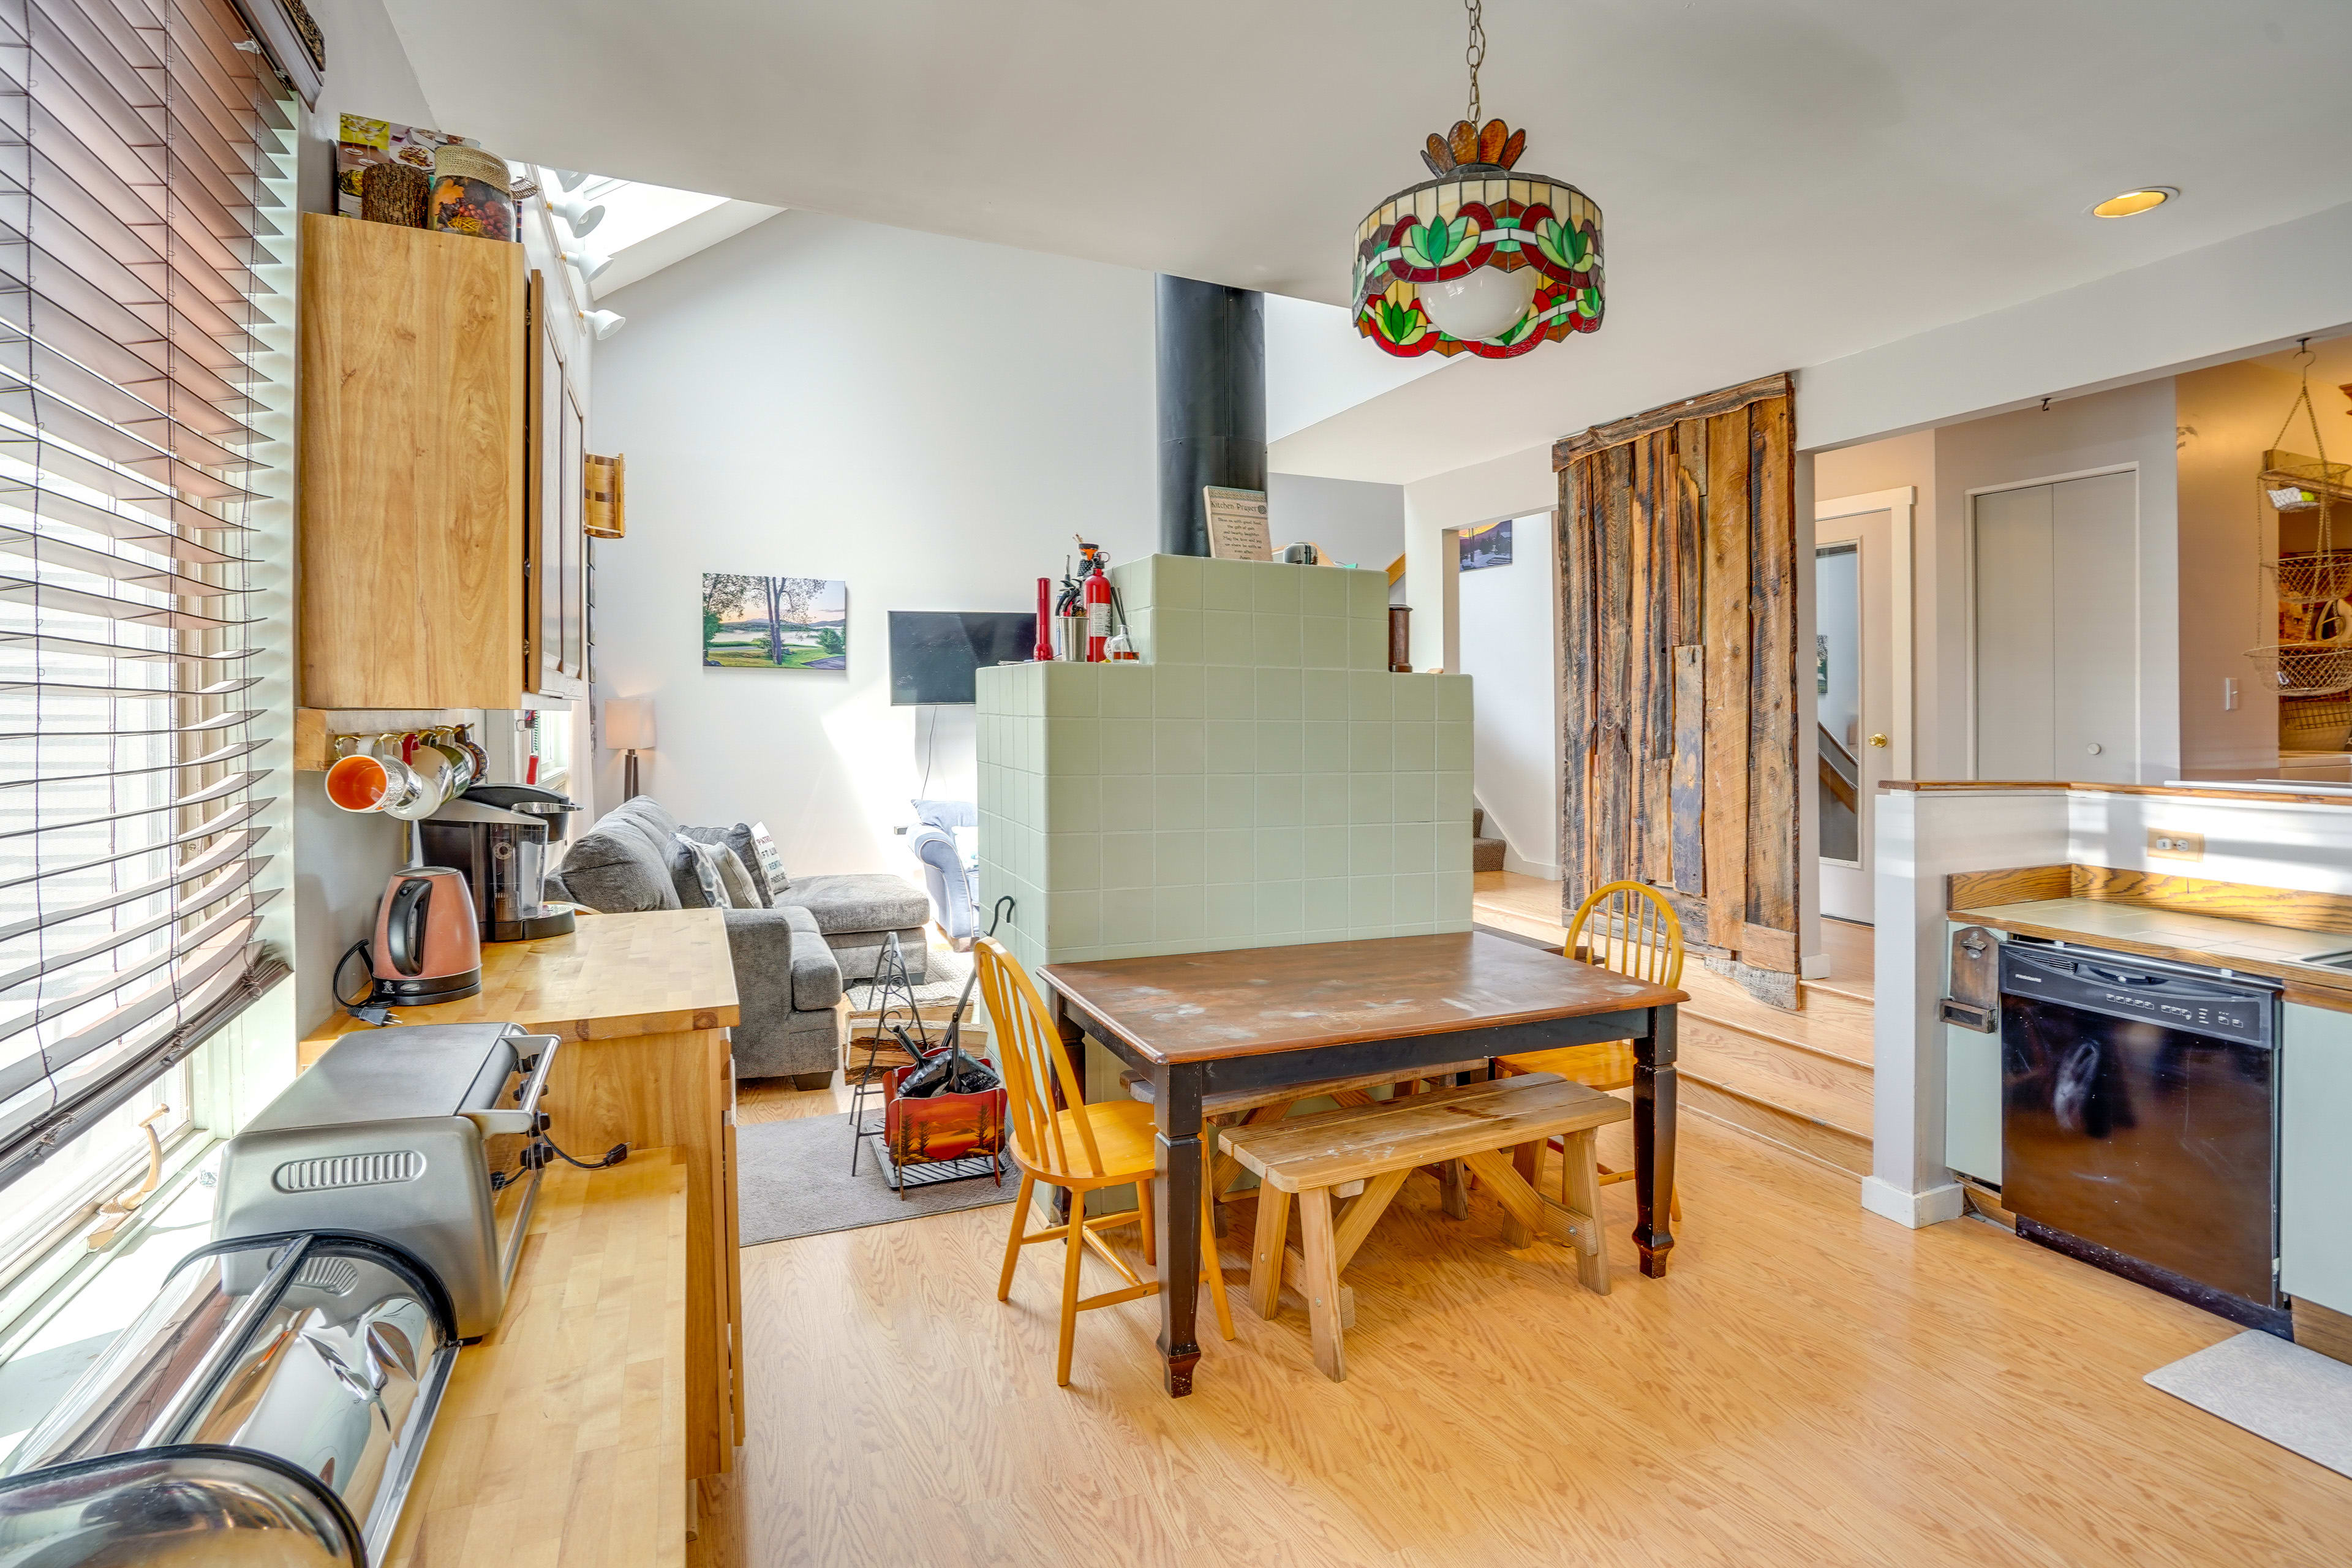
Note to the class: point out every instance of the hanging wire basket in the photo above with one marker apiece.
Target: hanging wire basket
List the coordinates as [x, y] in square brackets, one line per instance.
[2314, 578]
[2307, 669]
[2313, 723]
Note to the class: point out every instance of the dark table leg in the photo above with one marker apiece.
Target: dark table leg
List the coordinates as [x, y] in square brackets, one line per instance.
[1654, 1141]
[1178, 1096]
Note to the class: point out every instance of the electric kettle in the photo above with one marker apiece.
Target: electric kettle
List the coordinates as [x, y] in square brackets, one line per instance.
[427, 947]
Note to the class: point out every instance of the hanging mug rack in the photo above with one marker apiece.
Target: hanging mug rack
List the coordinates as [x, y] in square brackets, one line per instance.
[408, 774]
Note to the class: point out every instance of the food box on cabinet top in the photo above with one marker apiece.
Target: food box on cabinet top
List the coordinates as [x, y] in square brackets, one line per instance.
[363, 143]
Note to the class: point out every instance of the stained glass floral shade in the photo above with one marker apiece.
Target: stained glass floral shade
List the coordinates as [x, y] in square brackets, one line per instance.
[1477, 212]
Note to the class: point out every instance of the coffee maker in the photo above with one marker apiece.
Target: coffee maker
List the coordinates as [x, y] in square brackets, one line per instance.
[498, 834]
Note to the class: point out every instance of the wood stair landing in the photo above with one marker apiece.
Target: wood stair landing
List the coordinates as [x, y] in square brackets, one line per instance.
[1801, 1080]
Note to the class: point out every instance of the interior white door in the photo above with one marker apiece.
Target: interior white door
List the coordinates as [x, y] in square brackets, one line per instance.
[1854, 681]
[2056, 654]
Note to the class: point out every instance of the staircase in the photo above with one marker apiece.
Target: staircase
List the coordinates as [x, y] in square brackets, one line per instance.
[1801, 1080]
[1486, 853]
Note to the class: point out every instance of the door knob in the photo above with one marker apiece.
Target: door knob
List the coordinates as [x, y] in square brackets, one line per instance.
[1878, 739]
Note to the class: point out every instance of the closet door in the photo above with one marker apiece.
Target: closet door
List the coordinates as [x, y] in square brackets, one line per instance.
[2016, 700]
[2057, 635]
[2094, 565]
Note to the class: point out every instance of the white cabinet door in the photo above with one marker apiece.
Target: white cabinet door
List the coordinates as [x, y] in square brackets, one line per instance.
[2316, 1157]
[2056, 571]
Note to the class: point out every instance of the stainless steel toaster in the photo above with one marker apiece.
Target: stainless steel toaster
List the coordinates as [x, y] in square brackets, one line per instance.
[425, 1137]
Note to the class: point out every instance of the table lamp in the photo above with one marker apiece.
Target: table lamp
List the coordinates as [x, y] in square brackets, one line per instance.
[629, 728]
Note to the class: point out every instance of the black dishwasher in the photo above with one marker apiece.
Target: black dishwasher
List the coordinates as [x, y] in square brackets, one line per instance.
[2139, 1120]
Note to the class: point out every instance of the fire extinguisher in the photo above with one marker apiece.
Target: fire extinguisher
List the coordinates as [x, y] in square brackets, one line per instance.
[1098, 602]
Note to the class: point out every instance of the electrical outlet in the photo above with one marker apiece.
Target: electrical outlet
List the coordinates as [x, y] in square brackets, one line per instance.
[2173, 846]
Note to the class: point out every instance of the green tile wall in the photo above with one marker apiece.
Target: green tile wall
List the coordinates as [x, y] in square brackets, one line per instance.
[1260, 780]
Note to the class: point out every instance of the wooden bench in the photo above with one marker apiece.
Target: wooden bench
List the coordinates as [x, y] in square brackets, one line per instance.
[1254, 1107]
[1306, 1157]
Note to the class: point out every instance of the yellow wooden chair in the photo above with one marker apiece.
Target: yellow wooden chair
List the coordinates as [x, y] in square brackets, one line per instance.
[1629, 928]
[1081, 1149]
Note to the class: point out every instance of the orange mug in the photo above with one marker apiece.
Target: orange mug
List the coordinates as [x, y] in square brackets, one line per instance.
[365, 781]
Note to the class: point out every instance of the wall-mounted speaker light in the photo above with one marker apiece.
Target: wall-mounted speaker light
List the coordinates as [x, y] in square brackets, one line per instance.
[603, 323]
[570, 179]
[577, 213]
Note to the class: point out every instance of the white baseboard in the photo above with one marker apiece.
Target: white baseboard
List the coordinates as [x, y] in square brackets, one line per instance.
[1513, 861]
[1813, 966]
[1914, 1210]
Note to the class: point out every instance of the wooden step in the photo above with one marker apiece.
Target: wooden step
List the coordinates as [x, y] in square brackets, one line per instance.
[1818, 1142]
[1826, 1022]
[1823, 1088]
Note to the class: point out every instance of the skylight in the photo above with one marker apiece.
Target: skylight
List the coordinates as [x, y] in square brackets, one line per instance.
[645, 227]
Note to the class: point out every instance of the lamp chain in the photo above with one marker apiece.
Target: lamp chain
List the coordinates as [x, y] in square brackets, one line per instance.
[1477, 51]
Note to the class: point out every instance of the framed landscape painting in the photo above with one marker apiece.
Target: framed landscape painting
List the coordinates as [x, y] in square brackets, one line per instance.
[1487, 545]
[774, 623]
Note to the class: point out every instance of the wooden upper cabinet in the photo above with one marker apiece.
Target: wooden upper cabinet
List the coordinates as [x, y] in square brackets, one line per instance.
[414, 398]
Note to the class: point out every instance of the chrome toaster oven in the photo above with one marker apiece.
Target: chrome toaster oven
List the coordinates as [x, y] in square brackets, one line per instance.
[425, 1137]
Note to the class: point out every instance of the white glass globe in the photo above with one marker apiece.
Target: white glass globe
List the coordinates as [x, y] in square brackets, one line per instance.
[1481, 304]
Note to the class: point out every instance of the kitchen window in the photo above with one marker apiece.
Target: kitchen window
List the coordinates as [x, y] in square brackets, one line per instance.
[147, 159]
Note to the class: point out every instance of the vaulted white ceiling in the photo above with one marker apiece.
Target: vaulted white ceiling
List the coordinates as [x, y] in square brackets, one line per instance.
[1784, 181]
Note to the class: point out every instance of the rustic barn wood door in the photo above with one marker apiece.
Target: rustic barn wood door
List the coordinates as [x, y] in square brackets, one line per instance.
[1679, 664]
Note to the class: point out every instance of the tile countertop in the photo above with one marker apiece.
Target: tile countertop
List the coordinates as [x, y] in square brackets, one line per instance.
[2191, 939]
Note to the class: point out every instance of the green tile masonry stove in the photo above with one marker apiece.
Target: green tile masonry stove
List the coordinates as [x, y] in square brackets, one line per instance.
[1260, 779]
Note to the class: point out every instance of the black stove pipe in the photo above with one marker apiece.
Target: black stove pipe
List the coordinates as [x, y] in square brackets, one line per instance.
[1212, 403]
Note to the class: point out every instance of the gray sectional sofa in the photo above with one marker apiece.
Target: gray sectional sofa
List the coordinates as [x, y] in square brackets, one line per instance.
[792, 954]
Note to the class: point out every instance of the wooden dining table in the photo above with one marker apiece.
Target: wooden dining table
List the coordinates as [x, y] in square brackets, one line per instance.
[1199, 1023]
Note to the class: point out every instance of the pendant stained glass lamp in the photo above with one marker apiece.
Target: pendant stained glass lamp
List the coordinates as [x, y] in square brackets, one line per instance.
[1480, 257]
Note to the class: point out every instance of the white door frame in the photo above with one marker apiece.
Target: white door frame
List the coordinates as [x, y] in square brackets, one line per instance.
[1968, 586]
[1901, 502]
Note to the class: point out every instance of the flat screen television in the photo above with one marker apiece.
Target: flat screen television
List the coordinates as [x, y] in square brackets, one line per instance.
[933, 652]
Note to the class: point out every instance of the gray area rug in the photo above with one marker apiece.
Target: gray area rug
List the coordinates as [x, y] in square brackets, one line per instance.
[792, 1178]
[2295, 1398]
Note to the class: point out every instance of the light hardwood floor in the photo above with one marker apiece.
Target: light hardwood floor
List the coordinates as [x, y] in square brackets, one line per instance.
[1811, 1386]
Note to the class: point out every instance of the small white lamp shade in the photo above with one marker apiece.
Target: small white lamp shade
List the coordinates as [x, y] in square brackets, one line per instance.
[603, 323]
[577, 214]
[629, 724]
[570, 179]
[588, 261]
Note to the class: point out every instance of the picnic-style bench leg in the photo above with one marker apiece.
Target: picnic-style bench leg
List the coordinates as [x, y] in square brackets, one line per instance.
[1526, 1160]
[1454, 1184]
[1267, 1242]
[1580, 1187]
[1322, 1281]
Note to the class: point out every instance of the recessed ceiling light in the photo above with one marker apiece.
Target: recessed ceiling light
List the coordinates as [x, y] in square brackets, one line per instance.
[2130, 204]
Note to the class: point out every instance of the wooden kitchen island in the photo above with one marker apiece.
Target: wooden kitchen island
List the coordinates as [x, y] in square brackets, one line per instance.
[642, 1002]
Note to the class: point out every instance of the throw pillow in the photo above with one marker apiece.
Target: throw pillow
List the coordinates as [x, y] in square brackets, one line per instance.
[741, 892]
[695, 868]
[766, 862]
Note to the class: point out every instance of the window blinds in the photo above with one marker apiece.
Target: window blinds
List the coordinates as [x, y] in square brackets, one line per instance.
[135, 138]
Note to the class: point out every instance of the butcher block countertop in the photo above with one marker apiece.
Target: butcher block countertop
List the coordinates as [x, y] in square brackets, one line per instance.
[2211, 940]
[656, 973]
[561, 1439]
